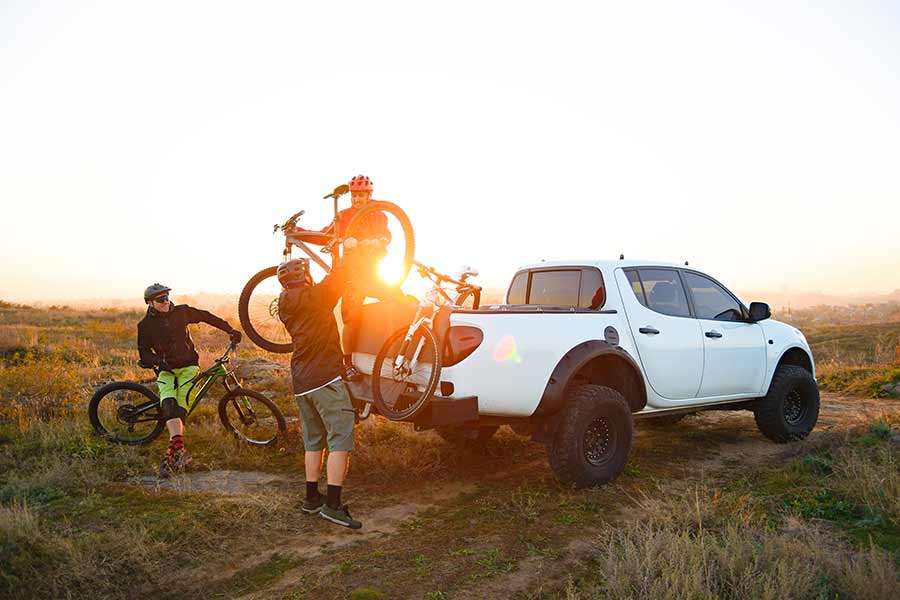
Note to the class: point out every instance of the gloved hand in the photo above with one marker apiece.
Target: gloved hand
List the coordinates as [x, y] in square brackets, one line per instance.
[145, 365]
[163, 365]
[235, 336]
[350, 243]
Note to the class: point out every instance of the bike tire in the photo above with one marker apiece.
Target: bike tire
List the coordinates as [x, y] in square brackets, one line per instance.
[473, 297]
[266, 436]
[409, 237]
[106, 392]
[259, 316]
[412, 392]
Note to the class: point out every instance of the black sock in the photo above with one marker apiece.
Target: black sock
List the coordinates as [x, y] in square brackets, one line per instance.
[334, 496]
[312, 490]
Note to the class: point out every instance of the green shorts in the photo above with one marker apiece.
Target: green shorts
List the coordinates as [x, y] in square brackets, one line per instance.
[176, 384]
[327, 412]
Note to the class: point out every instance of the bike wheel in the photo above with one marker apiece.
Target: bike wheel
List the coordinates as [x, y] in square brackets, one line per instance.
[401, 393]
[251, 417]
[258, 312]
[469, 300]
[409, 239]
[126, 413]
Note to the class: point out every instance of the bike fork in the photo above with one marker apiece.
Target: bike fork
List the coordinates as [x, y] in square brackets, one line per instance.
[401, 352]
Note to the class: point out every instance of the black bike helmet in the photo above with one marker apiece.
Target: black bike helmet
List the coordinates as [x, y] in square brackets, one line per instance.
[294, 272]
[155, 290]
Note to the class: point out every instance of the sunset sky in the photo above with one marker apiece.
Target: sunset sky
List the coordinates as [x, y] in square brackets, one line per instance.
[144, 142]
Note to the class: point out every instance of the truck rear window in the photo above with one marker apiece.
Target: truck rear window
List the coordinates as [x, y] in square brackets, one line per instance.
[580, 288]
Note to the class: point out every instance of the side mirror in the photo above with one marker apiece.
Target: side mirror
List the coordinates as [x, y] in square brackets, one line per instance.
[759, 311]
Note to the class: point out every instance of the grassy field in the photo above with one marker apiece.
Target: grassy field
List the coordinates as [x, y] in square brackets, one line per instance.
[861, 360]
[707, 508]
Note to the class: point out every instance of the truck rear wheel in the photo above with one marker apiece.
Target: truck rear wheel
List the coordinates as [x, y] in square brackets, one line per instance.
[791, 408]
[592, 443]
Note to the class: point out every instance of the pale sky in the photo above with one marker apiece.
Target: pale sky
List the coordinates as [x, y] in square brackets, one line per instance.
[160, 141]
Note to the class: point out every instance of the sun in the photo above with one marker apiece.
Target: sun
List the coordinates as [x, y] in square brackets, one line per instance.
[391, 269]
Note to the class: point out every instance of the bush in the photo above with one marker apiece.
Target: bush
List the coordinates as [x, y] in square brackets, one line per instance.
[39, 389]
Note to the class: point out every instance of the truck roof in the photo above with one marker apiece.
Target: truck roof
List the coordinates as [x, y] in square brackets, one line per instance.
[610, 264]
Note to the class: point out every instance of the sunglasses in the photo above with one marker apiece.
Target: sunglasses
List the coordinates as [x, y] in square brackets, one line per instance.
[161, 299]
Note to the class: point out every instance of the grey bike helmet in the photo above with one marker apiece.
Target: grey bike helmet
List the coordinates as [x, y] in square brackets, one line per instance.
[293, 272]
[155, 290]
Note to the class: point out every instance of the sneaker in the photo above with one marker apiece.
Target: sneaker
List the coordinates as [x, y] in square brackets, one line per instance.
[165, 468]
[181, 460]
[341, 516]
[313, 506]
[352, 374]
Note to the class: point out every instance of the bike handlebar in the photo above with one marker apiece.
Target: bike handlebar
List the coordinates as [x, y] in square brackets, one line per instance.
[231, 348]
[426, 271]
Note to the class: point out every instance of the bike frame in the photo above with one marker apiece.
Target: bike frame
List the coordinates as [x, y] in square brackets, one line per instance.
[462, 287]
[332, 241]
[205, 380]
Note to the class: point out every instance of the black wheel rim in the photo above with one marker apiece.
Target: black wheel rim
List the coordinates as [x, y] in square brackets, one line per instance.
[599, 442]
[795, 408]
[403, 391]
[121, 417]
[251, 420]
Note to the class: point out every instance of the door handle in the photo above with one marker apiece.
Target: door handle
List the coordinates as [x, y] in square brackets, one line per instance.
[713, 334]
[649, 330]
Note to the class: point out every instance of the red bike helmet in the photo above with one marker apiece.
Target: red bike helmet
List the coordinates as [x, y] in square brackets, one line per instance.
[361, 183]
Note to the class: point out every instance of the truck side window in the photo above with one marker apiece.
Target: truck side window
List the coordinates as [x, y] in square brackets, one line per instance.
[636, 286]
[711, 301]
[593, 293]
[555, 288]
[664, 292]
[516, 293]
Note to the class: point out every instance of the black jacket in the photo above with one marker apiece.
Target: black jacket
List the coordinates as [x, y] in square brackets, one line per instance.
[163, 336]
[308, 314]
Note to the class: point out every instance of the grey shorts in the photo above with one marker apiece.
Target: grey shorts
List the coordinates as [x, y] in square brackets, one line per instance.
[327, 413]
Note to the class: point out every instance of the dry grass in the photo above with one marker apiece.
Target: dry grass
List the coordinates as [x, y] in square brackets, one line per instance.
[71, 525]
[723, 560]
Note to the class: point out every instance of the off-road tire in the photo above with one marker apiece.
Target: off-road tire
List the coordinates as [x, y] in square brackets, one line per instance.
[257, 398]
[123, 385]
[598, 414]
[791, 408]
[456, 434]
[247, 324]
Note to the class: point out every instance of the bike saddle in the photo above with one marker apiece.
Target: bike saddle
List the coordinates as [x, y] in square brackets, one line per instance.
[467, 271]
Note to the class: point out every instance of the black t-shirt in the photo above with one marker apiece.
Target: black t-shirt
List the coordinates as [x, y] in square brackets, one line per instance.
[308, 314]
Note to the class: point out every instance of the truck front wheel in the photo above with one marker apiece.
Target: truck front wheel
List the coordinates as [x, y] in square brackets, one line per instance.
[594, 437]
[791, 408]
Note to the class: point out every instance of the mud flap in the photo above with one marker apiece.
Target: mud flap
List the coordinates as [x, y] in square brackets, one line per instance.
[447, 411]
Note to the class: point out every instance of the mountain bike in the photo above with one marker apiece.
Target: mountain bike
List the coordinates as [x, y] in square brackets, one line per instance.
[408, 366]
[126, 412]
[258, 303]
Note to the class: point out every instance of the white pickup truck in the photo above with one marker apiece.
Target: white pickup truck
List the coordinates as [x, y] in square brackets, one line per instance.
[582, 347]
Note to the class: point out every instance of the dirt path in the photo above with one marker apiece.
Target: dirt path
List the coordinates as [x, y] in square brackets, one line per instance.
[454, 537]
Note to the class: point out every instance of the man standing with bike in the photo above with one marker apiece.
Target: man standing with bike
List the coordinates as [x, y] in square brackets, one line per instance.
[165, 345]
[363, 253]
[326, 412]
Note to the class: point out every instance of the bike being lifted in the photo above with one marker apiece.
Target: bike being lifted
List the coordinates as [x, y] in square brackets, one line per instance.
[258, 304]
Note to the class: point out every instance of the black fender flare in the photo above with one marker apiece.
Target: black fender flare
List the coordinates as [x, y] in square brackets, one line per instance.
[573, 361]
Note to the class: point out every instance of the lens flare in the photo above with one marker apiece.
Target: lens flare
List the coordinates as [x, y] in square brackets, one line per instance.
[505, 350]
[391, 269]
